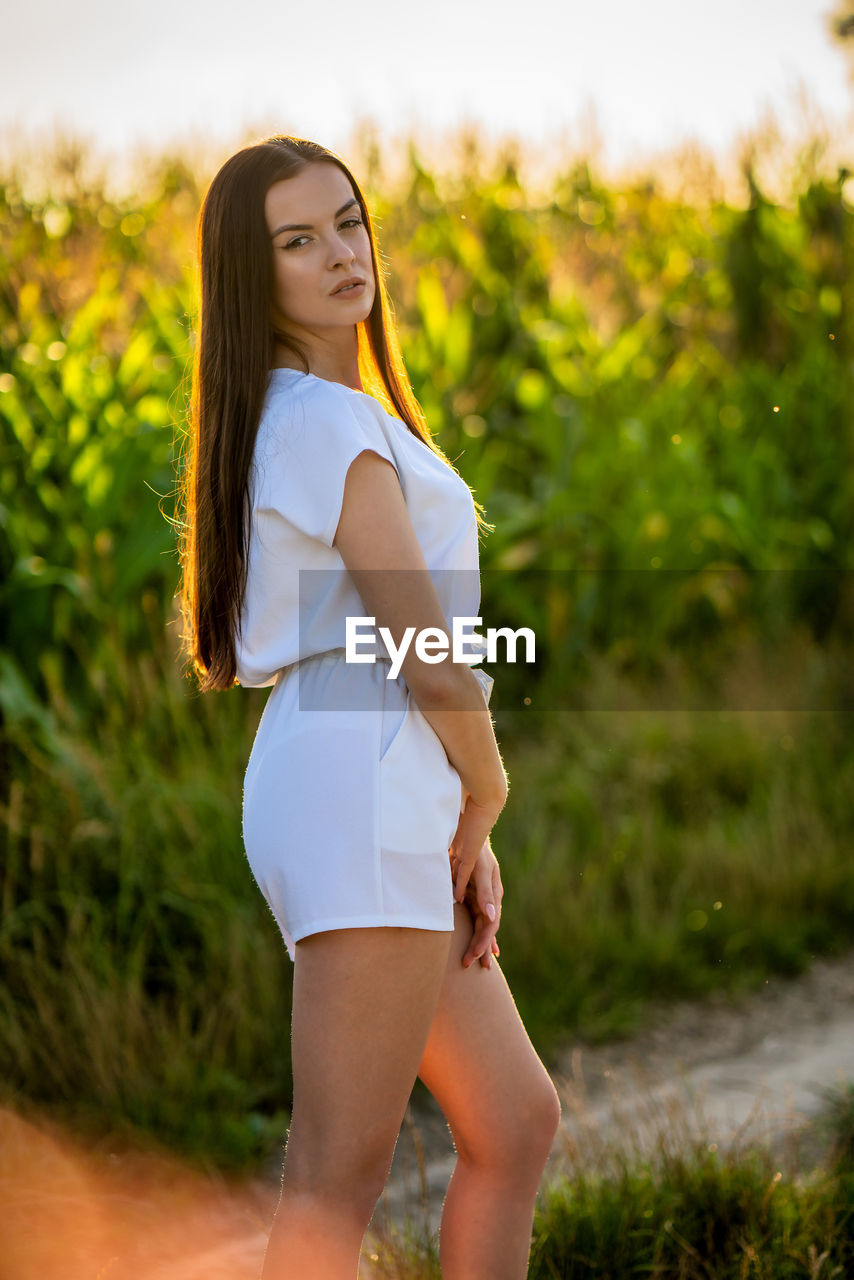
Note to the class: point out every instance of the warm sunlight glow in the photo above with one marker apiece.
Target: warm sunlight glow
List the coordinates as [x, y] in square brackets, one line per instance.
[83, 1216]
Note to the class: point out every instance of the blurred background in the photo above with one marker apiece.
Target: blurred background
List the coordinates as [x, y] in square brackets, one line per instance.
[620, 246]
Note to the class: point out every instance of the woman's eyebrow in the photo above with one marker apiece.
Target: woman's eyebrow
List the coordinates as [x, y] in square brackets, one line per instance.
[294, 226]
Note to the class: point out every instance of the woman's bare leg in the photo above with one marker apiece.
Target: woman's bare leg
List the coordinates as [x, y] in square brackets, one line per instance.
[502, 1110]
[364, 1000]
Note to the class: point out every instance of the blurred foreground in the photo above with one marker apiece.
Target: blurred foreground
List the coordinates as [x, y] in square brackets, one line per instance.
[69, 1213]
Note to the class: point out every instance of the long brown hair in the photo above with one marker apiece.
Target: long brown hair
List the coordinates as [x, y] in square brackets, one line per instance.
[234, 353]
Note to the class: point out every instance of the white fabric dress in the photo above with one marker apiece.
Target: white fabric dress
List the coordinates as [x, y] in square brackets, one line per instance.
[350, 801]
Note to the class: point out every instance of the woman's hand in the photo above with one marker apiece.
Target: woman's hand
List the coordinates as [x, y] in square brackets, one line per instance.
[483, 896]
[476, 822]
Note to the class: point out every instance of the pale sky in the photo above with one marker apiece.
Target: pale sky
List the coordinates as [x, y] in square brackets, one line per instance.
[655, 72]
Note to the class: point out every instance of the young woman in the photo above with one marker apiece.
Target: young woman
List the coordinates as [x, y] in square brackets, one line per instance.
[313, 494]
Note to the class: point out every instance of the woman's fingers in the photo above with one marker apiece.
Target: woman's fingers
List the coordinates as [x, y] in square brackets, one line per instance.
[462, 870]
[498, 897]
[484, 887]
[464, 866]
[492, 950]
[484, 894]
[480, 946]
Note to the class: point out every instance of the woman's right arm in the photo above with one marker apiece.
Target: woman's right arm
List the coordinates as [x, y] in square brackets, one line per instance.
[378, 545]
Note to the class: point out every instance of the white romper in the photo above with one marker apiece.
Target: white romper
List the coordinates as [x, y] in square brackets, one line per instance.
[350, 802]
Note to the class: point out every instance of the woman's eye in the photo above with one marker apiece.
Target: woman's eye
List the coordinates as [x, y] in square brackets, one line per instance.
[351, 222]
[296, 242]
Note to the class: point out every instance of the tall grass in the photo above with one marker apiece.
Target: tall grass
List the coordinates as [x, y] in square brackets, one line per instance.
[142, 980]
[697, 1211]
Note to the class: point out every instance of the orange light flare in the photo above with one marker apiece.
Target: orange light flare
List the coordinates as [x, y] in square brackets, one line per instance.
[71, 1214]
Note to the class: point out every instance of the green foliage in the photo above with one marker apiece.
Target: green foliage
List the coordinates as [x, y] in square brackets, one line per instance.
[632, 384]
[708, 1219]
[701, 1214]
[93, 342]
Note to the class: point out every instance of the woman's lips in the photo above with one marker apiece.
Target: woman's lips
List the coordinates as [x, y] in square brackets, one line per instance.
[349, 289]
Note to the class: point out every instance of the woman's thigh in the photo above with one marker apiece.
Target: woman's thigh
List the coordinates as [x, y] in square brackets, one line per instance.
[364, 1001]
[481, 1067]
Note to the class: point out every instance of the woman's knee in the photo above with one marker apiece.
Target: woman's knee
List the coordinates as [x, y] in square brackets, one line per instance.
[520, 1135]
[538, 1119]
[549, 1113]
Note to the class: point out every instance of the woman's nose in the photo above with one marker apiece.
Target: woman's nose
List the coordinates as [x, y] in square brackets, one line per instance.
[340, 252]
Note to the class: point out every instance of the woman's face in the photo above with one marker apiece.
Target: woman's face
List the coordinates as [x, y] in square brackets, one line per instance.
[323, 277]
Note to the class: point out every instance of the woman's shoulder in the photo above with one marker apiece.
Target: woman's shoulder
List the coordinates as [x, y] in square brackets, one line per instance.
[310, 432]
[315, 423]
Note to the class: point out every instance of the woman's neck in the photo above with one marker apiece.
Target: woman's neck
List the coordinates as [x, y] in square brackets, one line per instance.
[338, 362]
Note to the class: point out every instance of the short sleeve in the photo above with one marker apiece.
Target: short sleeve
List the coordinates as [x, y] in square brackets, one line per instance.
[309, 455]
